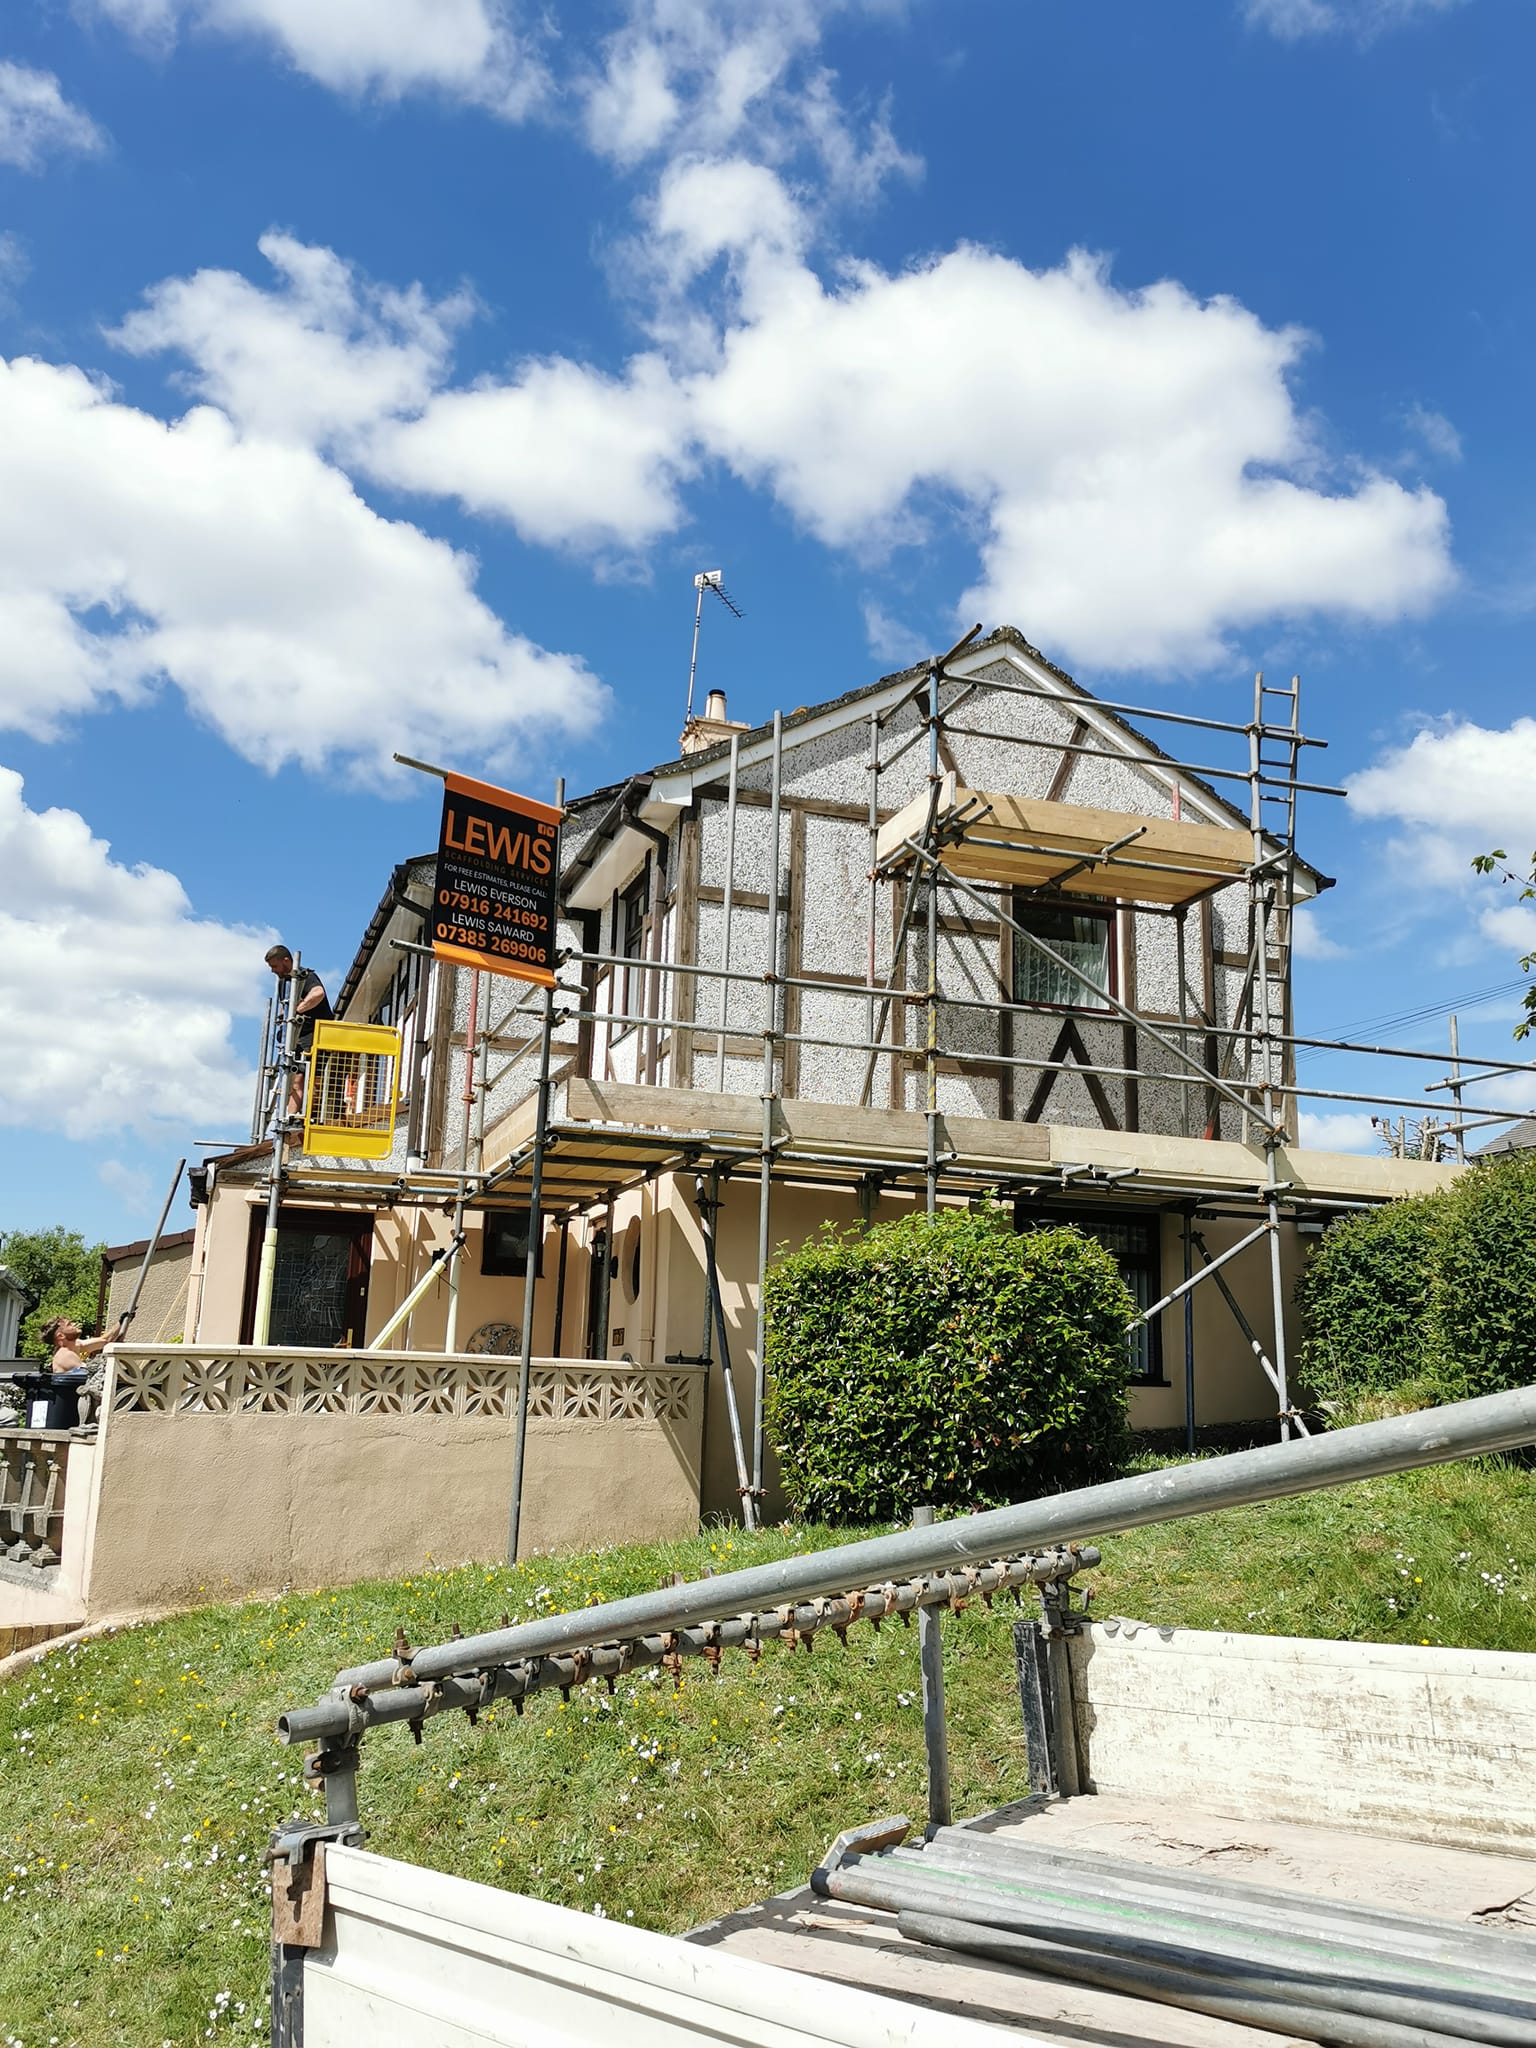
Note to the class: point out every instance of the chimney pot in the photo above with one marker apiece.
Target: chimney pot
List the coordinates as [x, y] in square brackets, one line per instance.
[715, 706]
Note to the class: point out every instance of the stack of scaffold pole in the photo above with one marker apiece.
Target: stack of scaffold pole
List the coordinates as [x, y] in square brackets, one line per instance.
[1317, 1969]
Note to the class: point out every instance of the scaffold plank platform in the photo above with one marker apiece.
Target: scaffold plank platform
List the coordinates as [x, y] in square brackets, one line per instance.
[1030, 843]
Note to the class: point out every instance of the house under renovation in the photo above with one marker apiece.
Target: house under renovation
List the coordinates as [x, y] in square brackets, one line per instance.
[965, 932]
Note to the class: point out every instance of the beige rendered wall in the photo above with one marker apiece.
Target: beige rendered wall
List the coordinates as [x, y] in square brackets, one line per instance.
[218, 1283]
[668, 1317]
[194, 1505]
[1230, 1384]
[162, 1312]
[403, 1242]
[667, 1314]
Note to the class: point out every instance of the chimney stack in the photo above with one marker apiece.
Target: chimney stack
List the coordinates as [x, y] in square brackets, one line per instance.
[710, 729]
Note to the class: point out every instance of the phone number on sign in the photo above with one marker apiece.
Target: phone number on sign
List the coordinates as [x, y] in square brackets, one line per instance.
[494, 942]
[483, 906]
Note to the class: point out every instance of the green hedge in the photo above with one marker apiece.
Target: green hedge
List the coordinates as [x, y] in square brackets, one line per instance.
[1427, 1300]
[1366, 1301]
[945, 1359]
[1483, 1315]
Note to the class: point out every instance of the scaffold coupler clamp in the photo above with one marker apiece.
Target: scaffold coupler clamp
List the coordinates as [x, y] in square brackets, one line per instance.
[1058, 1617]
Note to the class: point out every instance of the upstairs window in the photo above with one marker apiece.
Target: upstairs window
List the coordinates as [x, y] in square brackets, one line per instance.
[1081, 934]
[632, 923]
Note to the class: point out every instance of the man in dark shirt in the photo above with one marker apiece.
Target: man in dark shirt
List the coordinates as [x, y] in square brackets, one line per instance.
[311, 1006]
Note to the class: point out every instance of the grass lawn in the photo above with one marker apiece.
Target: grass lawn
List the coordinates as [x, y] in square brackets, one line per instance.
[139, 1775]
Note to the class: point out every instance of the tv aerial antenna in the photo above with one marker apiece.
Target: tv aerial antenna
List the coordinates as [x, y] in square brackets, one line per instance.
[707, 579]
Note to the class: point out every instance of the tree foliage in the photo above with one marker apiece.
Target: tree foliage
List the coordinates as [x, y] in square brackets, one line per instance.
[62, 1271]
[1497, 863]
[944, 1359]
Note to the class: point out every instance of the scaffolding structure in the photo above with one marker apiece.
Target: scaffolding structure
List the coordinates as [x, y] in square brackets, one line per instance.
[951, 859]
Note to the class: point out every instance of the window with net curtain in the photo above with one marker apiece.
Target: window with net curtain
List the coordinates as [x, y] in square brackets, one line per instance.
[1080, 933]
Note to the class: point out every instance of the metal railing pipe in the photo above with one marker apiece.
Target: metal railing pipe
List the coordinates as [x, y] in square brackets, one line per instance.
[1434, 1436]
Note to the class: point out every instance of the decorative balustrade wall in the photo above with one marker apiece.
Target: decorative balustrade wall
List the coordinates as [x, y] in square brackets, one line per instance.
[231, 1469]
[33, 1467]
[171, 1380]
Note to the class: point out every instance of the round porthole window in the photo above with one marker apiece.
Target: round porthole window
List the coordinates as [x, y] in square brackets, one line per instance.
[629, 1260]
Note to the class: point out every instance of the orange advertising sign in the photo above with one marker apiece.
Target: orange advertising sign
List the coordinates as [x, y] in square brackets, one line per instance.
[497, 871]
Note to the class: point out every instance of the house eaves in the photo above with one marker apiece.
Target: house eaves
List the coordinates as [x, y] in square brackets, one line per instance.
[396, 897]
[13, 1280]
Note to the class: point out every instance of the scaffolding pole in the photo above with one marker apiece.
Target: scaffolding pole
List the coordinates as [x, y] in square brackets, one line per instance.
[769, 1096]
[727, 907]
[535, 1234]
[931, 1032]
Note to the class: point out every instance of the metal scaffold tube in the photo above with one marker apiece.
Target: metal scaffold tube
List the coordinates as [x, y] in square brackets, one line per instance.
[1495, 1422]
[771, 1033]
[1249, 2002]
[535, 1234]
[287, 1067]
[727, 907]
[1285, 1961]
[1410, 1934]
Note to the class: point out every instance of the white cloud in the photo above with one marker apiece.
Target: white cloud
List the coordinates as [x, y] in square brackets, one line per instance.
[1349, 1131]
[1463, 788]
[1141, 479]
[117, 1001]
[1511, 926]
[1293, 19]
[571, 457]
[704, 78]
[36, 121]
[131, 1185]
[1456, 790]
[296, 622]
[888, 639]
[326, 354]
[568, 455]
[1310, 942]
[471, 50]
[1435, 431]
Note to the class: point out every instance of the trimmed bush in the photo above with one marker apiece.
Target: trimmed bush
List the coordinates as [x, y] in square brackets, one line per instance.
[1483, 1316]
[1366, 1300]
[1427, 1300]
[947, 1359]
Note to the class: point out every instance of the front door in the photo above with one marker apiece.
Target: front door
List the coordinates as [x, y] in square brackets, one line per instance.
[320, 1288]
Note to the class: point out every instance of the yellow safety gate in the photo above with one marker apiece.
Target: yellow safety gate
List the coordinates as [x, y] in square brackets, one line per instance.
[352, 1092]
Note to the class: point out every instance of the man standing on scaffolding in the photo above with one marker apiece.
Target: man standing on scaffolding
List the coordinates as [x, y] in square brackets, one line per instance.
[311, 1006]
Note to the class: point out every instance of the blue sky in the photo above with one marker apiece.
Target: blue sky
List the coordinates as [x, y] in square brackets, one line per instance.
[378, 377]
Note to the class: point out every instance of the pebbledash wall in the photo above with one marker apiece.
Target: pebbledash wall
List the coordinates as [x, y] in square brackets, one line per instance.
[217, 1473]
